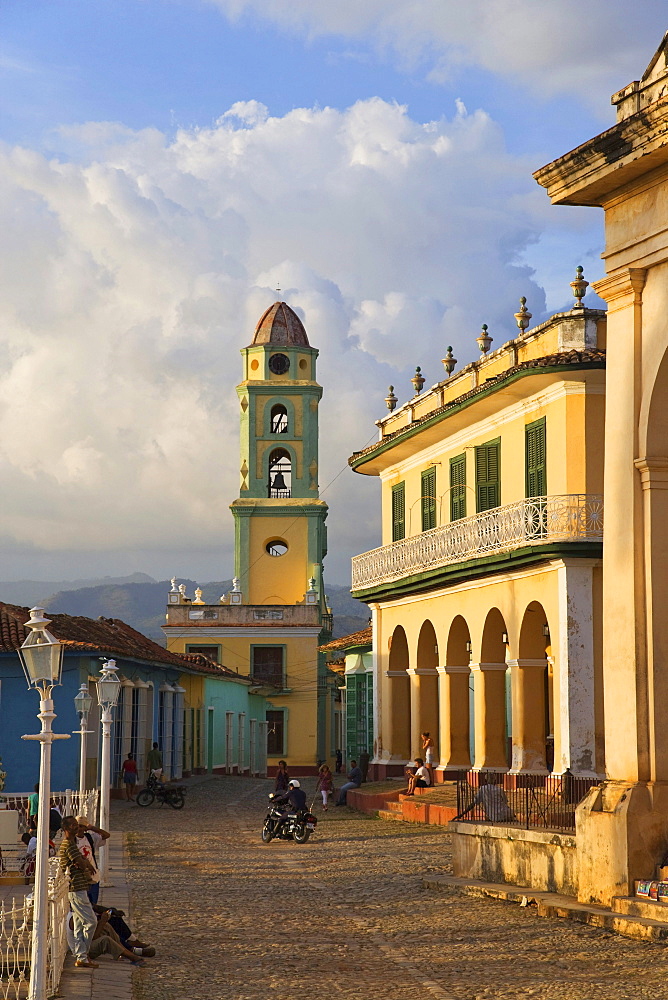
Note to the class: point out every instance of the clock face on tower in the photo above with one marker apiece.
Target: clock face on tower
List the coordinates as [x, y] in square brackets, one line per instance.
[279, 364]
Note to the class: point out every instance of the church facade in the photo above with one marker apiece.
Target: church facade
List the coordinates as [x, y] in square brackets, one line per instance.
[271, 623]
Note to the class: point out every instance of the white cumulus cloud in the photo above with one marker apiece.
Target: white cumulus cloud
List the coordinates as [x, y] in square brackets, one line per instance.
[133, 271]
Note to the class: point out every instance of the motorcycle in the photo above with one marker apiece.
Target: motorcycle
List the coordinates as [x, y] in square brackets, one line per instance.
[297, 826]
[173, 795]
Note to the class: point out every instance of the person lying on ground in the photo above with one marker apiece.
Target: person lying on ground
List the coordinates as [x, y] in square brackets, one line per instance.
[419, 778]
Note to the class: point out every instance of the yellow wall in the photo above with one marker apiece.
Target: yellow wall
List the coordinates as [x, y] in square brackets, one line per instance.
[278, 579]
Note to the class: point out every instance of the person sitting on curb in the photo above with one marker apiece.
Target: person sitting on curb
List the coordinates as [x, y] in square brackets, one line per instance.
[118, 929]
[354, 781]
[419, 778]
[103, 943]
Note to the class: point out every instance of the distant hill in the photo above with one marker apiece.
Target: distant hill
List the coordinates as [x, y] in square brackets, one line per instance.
[142, 604]
[28, 593]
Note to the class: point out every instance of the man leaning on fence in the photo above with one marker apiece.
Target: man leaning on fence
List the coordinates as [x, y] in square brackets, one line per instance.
[493, 801]
[80, 871]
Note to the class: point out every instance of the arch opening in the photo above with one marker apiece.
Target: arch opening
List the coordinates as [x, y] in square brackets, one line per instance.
[278, 419]
[279, 484]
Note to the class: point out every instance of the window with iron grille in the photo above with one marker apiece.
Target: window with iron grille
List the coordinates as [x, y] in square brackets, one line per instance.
[535, 459]
[267, 664]
[487, 475]
[457, 487]
[211, 652]
[398, 511]
[429, 498]
[275, 732]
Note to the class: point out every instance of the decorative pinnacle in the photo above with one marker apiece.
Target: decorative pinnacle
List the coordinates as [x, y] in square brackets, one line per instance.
[523, 317]
[391, 399]
[449, 362]
[484, 341]
[579, 287]
[418, 380]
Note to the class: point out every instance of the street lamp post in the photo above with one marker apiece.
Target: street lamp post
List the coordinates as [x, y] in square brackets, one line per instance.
[108, 688]
[42, 659]
[82, 704]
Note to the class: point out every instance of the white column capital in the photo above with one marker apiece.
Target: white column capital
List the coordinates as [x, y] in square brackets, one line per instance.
[653, 473]
[396, 673]
[421, 671]
[488, 666]
[541, 664]
[450, 669]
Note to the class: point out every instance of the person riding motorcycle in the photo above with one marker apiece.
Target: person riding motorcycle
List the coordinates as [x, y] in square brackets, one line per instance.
[295, 797]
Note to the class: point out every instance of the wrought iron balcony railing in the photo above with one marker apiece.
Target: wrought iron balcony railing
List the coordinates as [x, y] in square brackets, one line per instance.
[574, 517]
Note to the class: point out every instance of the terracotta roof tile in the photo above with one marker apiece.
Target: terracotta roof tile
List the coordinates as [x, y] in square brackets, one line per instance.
[103, 635]
[280, 325]
[362, 638]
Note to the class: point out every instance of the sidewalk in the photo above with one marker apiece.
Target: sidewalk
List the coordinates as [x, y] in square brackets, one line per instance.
[113, 980]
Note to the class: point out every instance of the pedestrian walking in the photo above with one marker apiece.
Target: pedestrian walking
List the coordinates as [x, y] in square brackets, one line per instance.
[84, 921]
[282, 777]
[325, 784]
[154, 761]
[33, 806]
[130, 776]
[339, 762]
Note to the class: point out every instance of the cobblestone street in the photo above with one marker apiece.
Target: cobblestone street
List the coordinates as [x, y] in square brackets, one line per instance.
[344, 915]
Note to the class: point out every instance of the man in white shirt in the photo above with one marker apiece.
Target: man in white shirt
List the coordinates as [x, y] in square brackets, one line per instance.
[420, 778]
[88, 840]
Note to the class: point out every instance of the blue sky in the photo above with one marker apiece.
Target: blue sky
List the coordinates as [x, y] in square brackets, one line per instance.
[164, 165]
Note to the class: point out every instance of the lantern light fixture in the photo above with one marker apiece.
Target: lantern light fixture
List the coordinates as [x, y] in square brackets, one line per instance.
[41, 653]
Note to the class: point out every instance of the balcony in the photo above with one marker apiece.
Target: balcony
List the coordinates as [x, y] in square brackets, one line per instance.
[575, 517]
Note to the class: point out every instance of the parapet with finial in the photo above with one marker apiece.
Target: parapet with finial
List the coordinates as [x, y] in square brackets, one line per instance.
[449, 362]
[523, 316]
[418, 380]
[483, 340]
[579, 286]
[391, 399]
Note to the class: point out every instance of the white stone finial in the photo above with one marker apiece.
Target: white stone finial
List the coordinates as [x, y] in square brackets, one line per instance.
[174, 589]
[198, 596]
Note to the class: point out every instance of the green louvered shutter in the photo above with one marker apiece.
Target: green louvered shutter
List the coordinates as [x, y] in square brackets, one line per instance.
[429, 498]
[535, 459]
[369, 713]
[351, 717]
[457, 487]
[487, 472]
[398, 511]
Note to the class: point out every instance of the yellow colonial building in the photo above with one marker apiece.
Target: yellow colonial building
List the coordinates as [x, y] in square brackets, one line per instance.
[269, 626]
[486, 591]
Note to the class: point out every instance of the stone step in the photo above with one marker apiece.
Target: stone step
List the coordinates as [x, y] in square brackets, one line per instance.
[550, 904]
[389, 814]
[639, 906]
[395, 807]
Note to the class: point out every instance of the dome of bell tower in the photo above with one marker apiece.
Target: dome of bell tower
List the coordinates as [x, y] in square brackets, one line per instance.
[281, 326]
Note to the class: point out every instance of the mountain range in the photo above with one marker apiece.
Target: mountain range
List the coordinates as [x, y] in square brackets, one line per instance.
[140, 600]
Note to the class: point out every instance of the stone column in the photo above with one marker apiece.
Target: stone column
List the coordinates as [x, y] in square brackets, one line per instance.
[574, 692]
[453, 700]
[528, 706]
[489, 697]
[424, 705]
[396, 747]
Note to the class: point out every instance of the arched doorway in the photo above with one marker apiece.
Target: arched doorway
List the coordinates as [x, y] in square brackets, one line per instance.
[531, 694]
[491, 697]
[424, 689]
[456, 699]
[399, 710]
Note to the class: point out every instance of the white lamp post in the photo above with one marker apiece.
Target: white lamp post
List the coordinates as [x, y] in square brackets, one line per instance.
[108, 688]
[82, 704]
[42, 659]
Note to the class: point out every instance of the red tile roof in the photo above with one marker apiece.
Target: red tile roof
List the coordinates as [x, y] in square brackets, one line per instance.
[280, 325]
[103, 635]
[362, 638]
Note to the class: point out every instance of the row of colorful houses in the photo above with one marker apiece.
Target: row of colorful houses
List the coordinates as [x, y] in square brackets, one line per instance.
[204, 717]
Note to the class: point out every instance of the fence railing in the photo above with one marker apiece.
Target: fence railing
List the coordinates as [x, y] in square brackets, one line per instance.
[16, 921]
[573, 517]
[68, 803]
[523, 800]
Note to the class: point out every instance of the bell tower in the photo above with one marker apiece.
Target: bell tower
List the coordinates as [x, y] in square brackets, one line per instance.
[280, 534]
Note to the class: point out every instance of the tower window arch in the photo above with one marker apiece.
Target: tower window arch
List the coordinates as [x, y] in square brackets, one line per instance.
[279, 419]
[280, 474]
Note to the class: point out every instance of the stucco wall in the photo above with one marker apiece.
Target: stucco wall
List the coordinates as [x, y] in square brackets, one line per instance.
[543, 860]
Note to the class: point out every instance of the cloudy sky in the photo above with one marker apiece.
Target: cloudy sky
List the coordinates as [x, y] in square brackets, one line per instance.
[165, 164]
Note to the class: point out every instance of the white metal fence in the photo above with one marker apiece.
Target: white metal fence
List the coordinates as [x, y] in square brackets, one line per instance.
[574, 517]
[68, 803]
[16, 935]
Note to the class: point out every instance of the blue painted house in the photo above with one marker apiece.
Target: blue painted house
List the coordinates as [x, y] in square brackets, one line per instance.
[202, 715]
